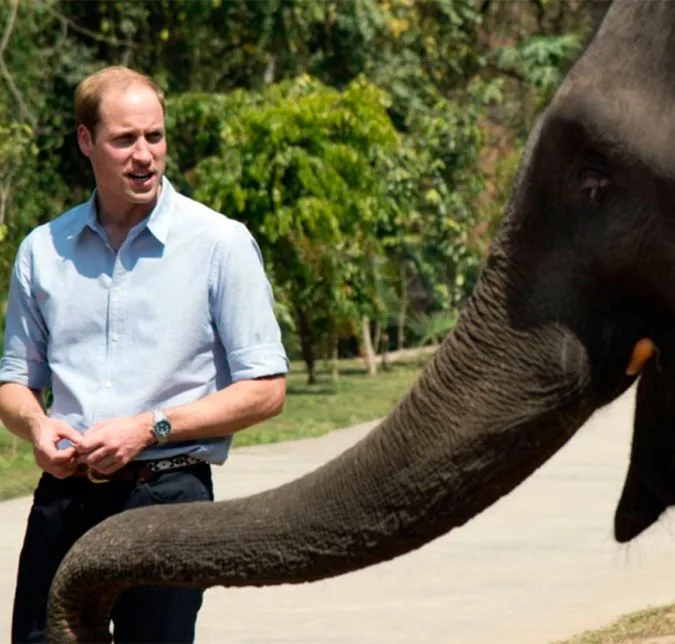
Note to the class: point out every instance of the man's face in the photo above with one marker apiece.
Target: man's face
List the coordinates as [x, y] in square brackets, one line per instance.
[128, 153]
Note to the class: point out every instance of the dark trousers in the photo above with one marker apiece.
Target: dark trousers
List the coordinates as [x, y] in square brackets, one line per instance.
[62, 511]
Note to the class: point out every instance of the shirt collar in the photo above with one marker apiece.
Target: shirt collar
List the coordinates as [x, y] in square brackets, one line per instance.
[160, 217]
[157, 222]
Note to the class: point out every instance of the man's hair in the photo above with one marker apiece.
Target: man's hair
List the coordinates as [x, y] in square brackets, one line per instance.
[91, 90]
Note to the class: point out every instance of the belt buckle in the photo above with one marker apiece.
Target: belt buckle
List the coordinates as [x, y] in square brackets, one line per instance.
[96, 478]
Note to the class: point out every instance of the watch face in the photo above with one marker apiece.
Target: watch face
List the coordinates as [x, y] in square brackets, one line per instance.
[162, 428]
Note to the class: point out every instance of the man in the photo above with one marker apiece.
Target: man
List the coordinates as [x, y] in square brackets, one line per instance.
[150, 317]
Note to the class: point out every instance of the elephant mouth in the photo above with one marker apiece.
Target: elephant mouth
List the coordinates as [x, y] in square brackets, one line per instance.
[649, 487]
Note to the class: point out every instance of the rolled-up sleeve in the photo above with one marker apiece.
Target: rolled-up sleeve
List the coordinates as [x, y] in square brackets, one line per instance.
[242, 307]
[24, 359]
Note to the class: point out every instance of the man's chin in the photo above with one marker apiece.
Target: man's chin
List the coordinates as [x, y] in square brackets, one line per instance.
[142, 197]
[145, 195]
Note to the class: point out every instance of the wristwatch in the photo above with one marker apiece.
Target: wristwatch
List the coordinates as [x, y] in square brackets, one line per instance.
[161, 427]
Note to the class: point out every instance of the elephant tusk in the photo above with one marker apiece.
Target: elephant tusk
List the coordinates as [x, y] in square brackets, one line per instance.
[643, 350]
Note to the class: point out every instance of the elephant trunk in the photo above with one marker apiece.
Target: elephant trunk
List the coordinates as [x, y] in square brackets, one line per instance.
[492, 405]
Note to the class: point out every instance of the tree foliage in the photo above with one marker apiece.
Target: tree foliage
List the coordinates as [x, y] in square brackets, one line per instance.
[303, 168]
[368, 144]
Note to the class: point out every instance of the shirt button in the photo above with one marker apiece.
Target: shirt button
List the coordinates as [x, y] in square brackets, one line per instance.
[107, 384]
[114, 337]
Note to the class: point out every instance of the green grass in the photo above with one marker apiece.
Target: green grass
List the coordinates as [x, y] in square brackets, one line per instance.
[309, 411]
[18, 472]
[634, 628]
[313, 410]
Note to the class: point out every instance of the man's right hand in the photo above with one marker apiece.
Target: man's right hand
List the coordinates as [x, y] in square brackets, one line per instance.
[46, 434]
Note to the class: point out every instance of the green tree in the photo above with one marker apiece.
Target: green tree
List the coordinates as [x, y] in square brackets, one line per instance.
[527, 46]
[304, 171]
[40, 65]
[464, 79]
[207, 46]
[35, 59]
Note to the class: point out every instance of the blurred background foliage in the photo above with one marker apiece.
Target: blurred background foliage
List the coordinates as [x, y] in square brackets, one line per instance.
[369, 145]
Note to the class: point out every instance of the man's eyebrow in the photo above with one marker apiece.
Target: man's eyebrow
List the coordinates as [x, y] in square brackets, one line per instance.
[131, 128]
[120, 131]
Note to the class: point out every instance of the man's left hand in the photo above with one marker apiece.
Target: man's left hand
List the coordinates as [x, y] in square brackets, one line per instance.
[110, 444]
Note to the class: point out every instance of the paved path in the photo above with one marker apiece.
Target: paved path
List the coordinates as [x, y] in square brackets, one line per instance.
[539, 565]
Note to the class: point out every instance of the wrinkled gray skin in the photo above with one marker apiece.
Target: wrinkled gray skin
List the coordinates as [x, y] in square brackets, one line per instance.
[582, 268]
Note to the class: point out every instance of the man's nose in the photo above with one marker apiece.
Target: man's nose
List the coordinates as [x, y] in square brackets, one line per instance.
[141, 151]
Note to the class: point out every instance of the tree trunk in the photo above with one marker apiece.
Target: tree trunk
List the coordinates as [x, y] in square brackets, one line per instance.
[335, 373]
[310, 363]
[403, 307]
[4, 201]
[377, 337]
[307, 347]
[369, 354]
[270, 70]
[385, 351]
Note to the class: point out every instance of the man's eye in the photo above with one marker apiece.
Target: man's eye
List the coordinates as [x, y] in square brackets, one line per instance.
[155, 137]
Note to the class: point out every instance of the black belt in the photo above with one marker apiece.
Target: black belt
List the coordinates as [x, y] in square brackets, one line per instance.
[138, 470]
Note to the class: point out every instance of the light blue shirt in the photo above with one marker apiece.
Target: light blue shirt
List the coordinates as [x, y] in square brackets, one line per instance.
[182, 310]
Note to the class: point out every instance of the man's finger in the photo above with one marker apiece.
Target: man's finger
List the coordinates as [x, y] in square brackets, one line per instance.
[94, 458]
[65, 431]
[63, 455]
[63, 472]
[88, 444]
[53, 452]
[60, 468]
[108, 465]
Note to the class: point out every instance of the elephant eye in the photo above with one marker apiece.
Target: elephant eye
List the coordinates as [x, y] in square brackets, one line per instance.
[593, 176]
[593, 185]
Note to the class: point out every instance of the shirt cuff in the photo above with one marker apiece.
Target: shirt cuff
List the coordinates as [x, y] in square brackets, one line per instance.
[257, 362]
[30, 373]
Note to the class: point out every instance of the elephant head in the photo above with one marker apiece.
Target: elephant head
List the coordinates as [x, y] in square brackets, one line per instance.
[575, 296]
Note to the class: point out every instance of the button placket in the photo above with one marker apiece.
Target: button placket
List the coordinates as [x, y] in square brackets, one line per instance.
[115, 318]
[99, 408]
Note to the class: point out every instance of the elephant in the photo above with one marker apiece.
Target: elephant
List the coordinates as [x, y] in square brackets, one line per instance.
[574, 304]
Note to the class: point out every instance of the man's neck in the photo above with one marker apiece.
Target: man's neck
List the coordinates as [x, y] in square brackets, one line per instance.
[117, 222]
[126, 217]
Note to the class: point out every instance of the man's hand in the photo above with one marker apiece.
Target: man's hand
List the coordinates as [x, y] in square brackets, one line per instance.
[110, 444]
[45, 435]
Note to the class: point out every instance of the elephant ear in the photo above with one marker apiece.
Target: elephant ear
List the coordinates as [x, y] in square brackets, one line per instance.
[649, 488]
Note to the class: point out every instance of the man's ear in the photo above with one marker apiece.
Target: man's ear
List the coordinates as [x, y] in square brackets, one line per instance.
[85, 140]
